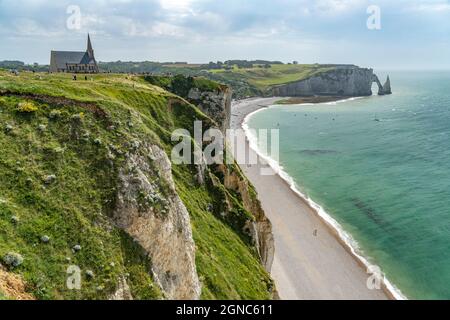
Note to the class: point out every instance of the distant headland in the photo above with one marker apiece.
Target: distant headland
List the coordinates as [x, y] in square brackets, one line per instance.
[253, 78]
[340, 81]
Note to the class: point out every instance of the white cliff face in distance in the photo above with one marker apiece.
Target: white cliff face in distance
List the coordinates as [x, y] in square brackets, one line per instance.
[350, 81]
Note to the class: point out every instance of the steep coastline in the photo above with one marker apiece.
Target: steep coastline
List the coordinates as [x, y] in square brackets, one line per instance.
[291, 209]
[346, 81]
[160, 222]
[217, 105]
[86, 184]
[137, 227]
[215, 102]
[305, 266]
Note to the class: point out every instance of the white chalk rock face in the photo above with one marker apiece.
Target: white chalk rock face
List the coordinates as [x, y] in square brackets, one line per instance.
[122, 292]
[150, 211]
[215, 104]
[387, 86]
[348, 81]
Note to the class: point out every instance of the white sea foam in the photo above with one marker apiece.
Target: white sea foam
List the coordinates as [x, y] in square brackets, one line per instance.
[347, 239]
[333, 103]
[327, 103]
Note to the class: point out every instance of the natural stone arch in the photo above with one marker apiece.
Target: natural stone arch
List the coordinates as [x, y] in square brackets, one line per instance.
[378, 82]
[382, 89]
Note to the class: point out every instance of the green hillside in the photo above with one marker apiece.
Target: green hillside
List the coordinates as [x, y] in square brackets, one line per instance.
[62, 144]
[257, 81]
[262, 78]
[246, 78]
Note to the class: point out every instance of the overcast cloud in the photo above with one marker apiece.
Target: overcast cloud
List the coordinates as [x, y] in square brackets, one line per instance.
[414, 33]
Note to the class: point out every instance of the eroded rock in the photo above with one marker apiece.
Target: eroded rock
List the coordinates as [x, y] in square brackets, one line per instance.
[387, 86]
[345, 80]
[123, 291]
[162, 230]
[215, 104]
[260, 229]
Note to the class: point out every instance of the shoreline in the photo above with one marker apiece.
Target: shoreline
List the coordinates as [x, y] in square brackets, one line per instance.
[310, 100]
[333, 228]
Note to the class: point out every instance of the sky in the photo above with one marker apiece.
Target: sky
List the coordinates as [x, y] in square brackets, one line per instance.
[407, 34]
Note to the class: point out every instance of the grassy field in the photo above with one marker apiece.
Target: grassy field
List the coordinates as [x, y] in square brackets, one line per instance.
[247, 82]
[264, 78]
[52, 127]
[258, 81]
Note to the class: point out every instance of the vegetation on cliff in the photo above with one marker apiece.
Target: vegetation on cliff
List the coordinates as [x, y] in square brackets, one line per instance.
[246, 78]
[261, 79]
[181, 85]
[59, 163]
[255, 80]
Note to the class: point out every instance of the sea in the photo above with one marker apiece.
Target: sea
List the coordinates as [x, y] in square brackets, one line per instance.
[378, 168]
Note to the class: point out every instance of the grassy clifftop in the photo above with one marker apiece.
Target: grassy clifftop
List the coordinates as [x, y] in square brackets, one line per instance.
[257, 81]
[63, 143]
[263, 78]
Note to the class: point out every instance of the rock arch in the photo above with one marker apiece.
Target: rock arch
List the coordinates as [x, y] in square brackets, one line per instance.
[382, 89]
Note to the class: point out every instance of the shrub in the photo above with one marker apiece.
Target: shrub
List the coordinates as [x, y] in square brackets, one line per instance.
[13, 259]
[54, 114]
[78, 117]
[27, 107]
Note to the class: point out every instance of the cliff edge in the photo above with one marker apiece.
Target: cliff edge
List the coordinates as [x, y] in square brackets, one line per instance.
[92, 208]
[346, 81]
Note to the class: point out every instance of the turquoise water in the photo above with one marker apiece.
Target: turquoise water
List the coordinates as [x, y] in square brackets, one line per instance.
[387, 182]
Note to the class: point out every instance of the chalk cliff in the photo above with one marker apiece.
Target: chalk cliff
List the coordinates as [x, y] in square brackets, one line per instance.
[350, 81]
[149, 209]
[387, 86]
[216, 104]
[259, 228]
[105, 203]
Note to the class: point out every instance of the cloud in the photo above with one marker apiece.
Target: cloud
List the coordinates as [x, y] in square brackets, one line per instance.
[194, 18]
[204, 17]
[203, 30]
[431, 7]
[338, 6]
[177, 5]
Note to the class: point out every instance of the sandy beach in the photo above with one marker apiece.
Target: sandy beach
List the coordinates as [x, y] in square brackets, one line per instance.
[310, 261]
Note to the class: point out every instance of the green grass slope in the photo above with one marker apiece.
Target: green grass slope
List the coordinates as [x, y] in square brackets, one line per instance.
[257, 81]
[263, 78]
[62, 143]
